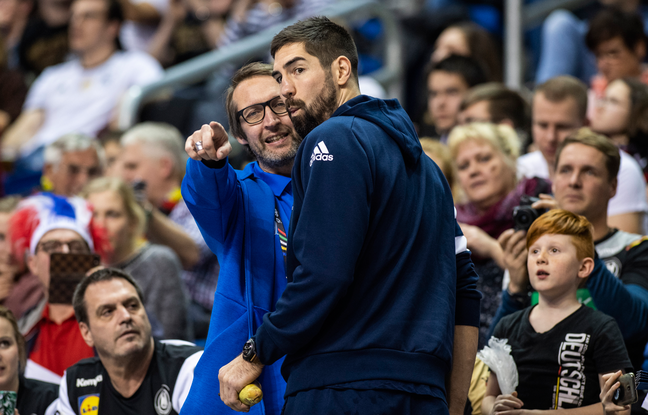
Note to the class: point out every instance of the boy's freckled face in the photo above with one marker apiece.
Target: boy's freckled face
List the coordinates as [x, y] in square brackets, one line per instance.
[553, 264]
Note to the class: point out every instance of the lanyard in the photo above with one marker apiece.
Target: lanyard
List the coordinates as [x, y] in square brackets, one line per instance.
[281, 231]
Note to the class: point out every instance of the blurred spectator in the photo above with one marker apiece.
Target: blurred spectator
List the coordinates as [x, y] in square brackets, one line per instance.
[44, 42]
[188, 28]
[12, 89]
[81, 95]
[447, 83]
[563, 49]
[19, 289]
[132, 373]
[34, 397]
[494, 102]
[618, 41]
[141, 18]
[70, 163]
[622, 115]
[112, 150]
[485, 155]
[156, 268]
[559, 108]
[440, 154]
[14, 15]
[153, 153]
[471, 40]
[44, 224]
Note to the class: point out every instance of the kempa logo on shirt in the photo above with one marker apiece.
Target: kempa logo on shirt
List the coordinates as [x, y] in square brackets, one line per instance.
[321, 153]
[82, 383]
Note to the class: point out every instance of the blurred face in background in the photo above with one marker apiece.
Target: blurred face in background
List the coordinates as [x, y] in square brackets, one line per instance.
[90, 28]
[9, 356]
[451, 41]
[552, 123]
[483, 173]
[55, 13]
[445, 92]
[615, 60]
[613, 110]
[109, 212]
[74, 171]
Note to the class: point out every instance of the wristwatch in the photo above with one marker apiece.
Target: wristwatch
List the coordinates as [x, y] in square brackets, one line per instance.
[249, 351]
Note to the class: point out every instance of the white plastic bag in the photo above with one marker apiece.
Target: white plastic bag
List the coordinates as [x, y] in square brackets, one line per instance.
[497, 356]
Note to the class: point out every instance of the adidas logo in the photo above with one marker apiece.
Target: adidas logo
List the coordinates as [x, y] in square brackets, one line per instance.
[320, 153]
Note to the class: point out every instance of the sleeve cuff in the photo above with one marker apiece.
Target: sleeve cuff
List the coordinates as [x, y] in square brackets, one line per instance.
[467, 312]
[215, 164]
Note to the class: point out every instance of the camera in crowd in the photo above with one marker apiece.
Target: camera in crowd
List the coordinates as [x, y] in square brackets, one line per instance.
[524, 215]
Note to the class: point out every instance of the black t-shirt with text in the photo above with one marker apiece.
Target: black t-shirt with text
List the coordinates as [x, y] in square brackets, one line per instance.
[559, 368]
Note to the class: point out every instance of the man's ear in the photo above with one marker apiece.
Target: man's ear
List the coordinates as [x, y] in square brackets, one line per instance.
[586, 268]
[242, 140]
[48, 170]
[166, 166]
[341, 70]
[86, 334]
[32, 264]
[640, 50]
[613, 185]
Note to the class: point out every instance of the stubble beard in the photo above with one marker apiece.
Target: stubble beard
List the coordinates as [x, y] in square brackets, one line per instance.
[321, 109]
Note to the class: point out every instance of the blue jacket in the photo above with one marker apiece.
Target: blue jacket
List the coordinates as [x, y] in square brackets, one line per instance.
[235, 213]
[378, 269]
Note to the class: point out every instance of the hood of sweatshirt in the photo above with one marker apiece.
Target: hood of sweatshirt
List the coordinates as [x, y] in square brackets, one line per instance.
[391, 117]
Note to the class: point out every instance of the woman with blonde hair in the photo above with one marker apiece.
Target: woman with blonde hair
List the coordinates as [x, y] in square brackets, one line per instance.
[156, 268]
[485, 157]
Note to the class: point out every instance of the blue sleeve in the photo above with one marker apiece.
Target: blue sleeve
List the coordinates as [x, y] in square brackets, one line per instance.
[212, 196]
[608, 293]
[468, 298]
[340, 191]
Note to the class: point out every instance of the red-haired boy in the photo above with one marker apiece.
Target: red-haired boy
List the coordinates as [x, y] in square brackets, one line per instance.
[568, 355]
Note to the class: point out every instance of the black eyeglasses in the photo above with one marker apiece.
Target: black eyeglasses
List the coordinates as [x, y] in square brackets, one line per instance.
[74, 247]
[254, 114]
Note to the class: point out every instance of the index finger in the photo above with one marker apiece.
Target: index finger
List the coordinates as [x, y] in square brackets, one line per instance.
[505, 237]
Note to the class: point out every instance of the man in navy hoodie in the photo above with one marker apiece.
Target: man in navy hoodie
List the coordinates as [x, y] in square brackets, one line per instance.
[380, 313]
[241, 216]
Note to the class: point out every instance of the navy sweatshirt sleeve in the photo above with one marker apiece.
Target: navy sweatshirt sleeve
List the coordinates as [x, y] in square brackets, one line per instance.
[468, 298]
[210, 192]
[326, 246]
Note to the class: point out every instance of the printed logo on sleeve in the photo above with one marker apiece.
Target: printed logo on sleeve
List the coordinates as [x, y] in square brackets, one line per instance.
[320, 153]
[89, 404]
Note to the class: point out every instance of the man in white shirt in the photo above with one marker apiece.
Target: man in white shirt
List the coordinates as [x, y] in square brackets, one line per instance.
[559, 108]
[81, 95]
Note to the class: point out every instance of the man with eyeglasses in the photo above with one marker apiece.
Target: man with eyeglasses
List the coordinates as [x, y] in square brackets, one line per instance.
[244, 217]
[42, 225]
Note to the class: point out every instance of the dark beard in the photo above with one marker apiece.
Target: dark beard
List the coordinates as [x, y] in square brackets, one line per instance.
[321, 109]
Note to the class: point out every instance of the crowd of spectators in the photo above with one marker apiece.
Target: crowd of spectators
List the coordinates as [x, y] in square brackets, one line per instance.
[577, 141]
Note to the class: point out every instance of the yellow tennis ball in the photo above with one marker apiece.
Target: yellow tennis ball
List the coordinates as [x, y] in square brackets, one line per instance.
[251, 395]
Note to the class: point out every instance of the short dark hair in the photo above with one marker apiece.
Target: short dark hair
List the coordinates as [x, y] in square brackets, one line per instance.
[503, 103]
[248, 71]
[589, 138]
[612, 22]
[468, 68]
[104, 274]
[560, 88]
[321, 38]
